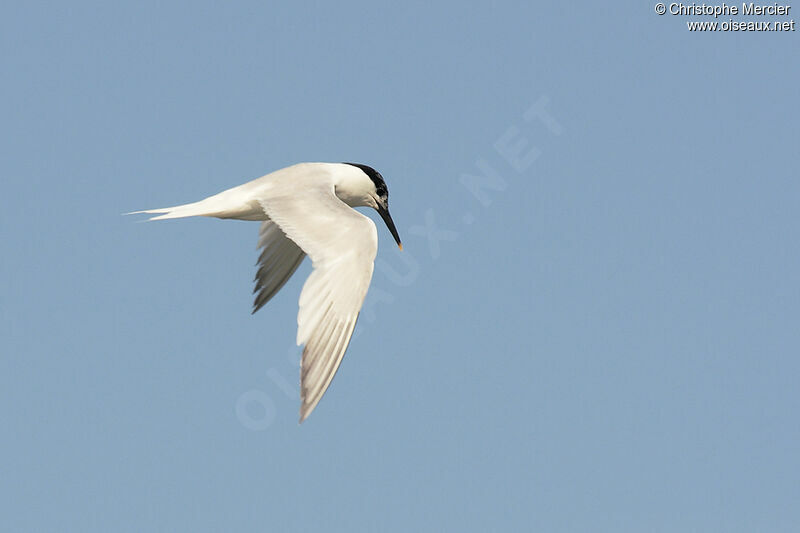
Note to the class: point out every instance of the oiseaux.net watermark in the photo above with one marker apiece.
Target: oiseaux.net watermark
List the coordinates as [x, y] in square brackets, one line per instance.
[757, 14]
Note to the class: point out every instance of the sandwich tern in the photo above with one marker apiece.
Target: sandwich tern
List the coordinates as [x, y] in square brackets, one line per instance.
[306, 209]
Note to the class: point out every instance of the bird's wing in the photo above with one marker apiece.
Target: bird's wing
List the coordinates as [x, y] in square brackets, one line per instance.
[342, 244]
[279, 259]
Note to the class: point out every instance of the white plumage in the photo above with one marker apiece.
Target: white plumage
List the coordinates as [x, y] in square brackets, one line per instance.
[307, 209]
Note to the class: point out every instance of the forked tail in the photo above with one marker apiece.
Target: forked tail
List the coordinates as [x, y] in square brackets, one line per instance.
[196, 209]
[233, 203]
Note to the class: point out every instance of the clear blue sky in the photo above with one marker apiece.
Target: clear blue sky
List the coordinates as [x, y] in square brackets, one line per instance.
[602, 337]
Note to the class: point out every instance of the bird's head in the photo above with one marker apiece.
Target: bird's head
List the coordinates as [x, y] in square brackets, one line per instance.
[376, 195]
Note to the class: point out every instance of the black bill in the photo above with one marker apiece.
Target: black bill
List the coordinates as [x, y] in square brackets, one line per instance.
[390, 224]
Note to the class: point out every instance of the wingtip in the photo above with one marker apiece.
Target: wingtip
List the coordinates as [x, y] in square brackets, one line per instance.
[306, 409]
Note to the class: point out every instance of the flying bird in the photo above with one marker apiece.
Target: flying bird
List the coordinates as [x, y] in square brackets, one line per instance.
[306, 209]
